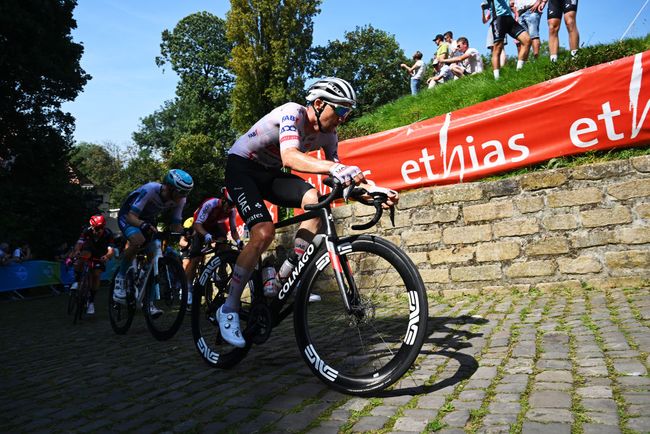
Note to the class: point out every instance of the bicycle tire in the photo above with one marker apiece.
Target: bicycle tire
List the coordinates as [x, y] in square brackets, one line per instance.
[209, 292]
[82, 298]
[121, 315]
[367, 352]
[171, 299]
[72, 301]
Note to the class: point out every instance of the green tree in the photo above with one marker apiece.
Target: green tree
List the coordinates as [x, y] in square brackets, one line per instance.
[198, 51]
[369, 59]
[142, 167]
[204, 159]
[271, 42]
[101, 164]
[158, 130]
[39, 70]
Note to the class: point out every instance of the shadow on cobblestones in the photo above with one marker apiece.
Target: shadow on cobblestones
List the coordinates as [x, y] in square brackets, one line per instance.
[531, 362]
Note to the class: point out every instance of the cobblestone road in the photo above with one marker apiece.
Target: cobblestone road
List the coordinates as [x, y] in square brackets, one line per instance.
[561, 362]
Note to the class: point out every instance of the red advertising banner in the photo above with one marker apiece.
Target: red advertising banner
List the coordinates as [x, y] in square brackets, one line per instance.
[596, 108]
[601, 107]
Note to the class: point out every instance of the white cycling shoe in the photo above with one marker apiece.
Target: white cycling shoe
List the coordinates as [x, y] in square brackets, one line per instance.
[229, 327]
[314, 297]
[154, 311]
[119, 293]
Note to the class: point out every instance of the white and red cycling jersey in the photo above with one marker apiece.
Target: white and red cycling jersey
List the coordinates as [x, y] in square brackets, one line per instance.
[214, 219]
[282, 128]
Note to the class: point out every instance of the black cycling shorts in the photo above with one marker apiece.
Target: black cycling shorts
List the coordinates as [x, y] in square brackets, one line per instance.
[506, 25]
[558, 7]
[249, 184]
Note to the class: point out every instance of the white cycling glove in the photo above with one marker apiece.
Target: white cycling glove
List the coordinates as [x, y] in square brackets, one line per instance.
[344, 173]
[207, 238]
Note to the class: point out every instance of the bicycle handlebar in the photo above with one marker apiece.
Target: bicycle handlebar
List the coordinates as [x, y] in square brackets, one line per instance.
[212, 247]
[337, 189]
[378, 198]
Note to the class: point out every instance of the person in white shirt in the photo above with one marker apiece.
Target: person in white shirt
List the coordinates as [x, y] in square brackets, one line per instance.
[452, 45]
[416, 71]
[468, 63]
[442, 75]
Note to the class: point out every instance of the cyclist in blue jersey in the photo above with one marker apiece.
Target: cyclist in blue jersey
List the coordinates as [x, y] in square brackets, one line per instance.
[138, 215]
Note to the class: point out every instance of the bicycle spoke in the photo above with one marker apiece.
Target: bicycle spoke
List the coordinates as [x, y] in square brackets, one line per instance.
[376, 342]
[165, 301]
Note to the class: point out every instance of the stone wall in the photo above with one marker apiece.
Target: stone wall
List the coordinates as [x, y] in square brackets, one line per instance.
[566, 227]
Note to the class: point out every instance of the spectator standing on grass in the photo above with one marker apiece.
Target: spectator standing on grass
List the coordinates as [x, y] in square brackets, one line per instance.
[489, 41]
[469, 62]
[529, 16]
[442, 74]
[503, 23]
[416, 71]
[557, 8]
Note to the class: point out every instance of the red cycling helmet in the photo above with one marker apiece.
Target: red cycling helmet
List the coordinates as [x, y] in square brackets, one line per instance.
[97, 221]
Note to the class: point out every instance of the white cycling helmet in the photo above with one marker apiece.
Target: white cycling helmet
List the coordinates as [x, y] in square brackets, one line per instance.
[334, 90]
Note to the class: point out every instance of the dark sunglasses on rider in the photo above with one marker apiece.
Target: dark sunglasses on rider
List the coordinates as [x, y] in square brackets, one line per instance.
[340, 110]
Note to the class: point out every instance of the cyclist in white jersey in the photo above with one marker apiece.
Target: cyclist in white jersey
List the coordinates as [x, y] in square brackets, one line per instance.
[283, 138]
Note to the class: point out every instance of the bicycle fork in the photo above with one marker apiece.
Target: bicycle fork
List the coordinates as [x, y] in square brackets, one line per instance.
[340, 265]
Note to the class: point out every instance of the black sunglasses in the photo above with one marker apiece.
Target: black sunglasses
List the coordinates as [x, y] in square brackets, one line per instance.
[340, 110]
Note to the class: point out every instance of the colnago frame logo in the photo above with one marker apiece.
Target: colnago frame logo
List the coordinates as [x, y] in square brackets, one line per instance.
[296, 271]
[325, 370]
[414, 318]
[208, 354]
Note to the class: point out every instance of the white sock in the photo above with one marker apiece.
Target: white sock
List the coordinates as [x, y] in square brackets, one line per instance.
[240, 277]
[553, 57]
[520, 64]
[573, 53]
[496, 74]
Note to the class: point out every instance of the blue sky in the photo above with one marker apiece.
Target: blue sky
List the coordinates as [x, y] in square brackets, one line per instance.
[122, 38]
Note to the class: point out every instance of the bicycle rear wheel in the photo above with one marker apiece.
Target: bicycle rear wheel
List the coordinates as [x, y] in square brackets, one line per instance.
[210, 292]
[374, 345]
[121, 315]
[164, 307]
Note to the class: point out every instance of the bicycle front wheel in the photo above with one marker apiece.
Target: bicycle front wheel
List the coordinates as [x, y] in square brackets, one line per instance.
[165, 301]
[373, 345]
[121, 314]
[82, 298]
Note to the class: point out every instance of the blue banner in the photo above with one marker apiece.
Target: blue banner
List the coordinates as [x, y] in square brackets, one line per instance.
[30, 274]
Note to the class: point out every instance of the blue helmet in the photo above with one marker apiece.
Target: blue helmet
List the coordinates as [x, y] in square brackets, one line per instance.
[180, 180]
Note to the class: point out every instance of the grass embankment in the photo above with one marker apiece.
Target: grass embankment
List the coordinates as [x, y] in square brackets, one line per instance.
[482, 87]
